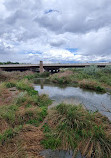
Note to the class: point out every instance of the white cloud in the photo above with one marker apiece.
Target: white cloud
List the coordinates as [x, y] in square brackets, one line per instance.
[33, 30]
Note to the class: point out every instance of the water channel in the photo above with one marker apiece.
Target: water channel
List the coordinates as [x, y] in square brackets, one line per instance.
[72, 95]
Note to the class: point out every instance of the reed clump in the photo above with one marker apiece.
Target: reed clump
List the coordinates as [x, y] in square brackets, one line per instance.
[78, 129]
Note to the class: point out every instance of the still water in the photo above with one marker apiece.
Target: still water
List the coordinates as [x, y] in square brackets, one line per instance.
[59, 154]
[74, 95]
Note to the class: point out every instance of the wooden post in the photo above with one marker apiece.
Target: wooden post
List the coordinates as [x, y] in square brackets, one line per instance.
[41, 67]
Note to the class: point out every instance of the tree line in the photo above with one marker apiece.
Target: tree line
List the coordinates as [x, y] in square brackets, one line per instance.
[8, 62]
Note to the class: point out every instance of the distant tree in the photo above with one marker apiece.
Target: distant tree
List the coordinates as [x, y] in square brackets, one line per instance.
[8, 62]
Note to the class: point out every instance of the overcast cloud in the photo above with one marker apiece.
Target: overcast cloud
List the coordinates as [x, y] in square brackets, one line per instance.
[55, 31]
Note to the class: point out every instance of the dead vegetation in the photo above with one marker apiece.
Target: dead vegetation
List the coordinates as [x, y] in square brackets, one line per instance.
[32, 137]
[16, 75]
[22, 110]
[24, 145]
[7, 95]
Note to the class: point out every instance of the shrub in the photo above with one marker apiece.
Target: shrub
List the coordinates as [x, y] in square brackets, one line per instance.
[91, 70]
[107, 69]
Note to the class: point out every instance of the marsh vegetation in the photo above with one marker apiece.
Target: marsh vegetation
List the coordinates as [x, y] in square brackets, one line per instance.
[21, 108]
[27, 126]
[73, 127]
[98, 79]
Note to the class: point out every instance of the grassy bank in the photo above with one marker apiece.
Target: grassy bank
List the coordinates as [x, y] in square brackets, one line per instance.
[23, 112]
[17, 75]
[21, 108]
[28, 107]
[98, 79]
[73, 127]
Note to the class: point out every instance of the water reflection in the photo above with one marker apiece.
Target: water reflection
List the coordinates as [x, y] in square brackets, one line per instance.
[75, 95]
[42, 83]
[59, 154]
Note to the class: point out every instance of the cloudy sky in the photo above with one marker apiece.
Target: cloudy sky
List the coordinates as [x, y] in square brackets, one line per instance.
[55, 31]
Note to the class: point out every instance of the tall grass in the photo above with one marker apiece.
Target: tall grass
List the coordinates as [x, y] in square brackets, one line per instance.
[91, 84]
[79, 129]
[17, 75]
[90, 77]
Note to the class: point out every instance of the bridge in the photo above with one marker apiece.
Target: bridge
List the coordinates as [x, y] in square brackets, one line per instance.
[47, 67]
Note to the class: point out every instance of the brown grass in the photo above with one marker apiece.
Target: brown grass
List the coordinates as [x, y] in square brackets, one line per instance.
[25, 144]
[17, 75]
[3, 125]
[24, 113]
[65, 74]
[32, 137]
[91, 84]
[7, 95]
[12, 149]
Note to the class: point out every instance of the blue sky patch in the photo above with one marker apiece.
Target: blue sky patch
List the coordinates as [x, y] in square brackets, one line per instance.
[72, 50]
[50, 11]
[36, 52]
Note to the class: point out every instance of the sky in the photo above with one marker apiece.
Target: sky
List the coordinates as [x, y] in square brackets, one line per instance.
[55, 31]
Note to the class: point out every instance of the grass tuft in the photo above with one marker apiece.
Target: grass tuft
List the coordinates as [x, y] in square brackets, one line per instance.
[9, 134]
[78, 129]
